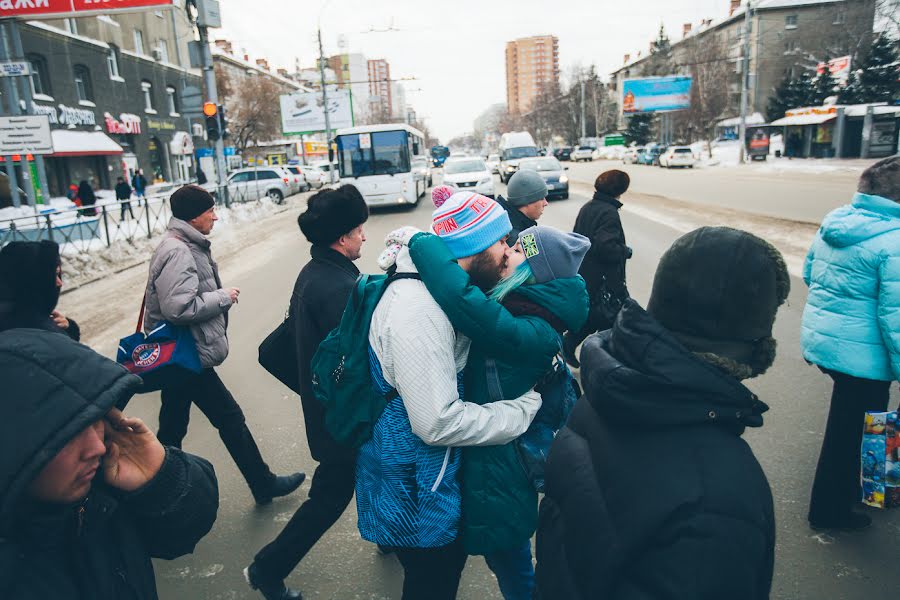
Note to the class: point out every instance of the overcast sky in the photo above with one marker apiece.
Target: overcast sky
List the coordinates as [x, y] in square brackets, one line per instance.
[455, 48]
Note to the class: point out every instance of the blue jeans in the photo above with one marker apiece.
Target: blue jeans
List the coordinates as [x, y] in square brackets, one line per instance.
[514, 571]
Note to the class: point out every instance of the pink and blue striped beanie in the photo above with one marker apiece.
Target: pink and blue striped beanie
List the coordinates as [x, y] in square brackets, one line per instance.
[469, 223]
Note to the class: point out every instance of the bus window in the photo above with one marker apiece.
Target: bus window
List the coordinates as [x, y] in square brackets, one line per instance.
[390, 152]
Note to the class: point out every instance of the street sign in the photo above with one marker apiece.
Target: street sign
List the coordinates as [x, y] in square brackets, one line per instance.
[74, 8]
[12, 68]
[25, 135]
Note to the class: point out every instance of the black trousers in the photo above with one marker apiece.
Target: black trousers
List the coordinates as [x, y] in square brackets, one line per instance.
[432, 573]
[211, 396]
[836, 487]
[122, 208]
[329, 494]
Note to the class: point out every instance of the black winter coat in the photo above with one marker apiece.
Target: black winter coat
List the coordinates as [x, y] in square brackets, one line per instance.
[651, 492]
[599, 221]
[101, 547]
[519, 221]
[320, 295]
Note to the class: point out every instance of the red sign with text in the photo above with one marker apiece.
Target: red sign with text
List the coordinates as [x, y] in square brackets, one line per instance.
[74, 8]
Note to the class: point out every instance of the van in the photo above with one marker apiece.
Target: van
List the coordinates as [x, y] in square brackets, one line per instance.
[514, 146]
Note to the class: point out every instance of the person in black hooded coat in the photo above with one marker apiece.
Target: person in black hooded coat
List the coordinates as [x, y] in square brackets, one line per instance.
[650, 490]
[30, 283]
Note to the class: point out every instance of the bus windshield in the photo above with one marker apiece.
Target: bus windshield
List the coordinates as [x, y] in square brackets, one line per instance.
[383, 153]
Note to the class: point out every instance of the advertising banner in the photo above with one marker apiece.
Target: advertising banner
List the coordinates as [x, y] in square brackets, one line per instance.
[74, 8]
[302, 113]
[839, 67]
[656, 94]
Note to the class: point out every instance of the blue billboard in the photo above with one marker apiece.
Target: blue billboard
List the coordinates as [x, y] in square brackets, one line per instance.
[656, 94]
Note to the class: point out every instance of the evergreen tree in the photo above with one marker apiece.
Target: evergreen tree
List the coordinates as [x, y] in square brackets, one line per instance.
[803, 91]
[661, 43]
[823, 86]
[791, 93]
[640, 129]
[779, 102]
[852, 93]
[880, 72]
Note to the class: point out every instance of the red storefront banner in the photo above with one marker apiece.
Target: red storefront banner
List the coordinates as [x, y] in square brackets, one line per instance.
[74, 8]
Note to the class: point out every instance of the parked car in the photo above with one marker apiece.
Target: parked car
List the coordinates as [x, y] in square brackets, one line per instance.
[245, 185]
[493, 163]
[563, 153]
[649, 155]
[300, 178]
[587, 153]
[314, 177]
[469, 173]
[421, 169]
[631, 154]
[677, 156]
[552, 171]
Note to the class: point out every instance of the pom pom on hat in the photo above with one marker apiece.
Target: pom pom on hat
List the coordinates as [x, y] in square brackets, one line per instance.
[441, 194]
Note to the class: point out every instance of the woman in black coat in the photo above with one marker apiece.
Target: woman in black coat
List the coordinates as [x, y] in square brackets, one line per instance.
[30, 283]
[603, 268]
[88, 199]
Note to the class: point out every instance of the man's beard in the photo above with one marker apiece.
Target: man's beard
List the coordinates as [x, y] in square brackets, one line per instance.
[485, 272]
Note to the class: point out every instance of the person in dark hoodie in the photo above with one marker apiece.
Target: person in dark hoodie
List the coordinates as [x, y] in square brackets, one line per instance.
[87, 495]
[650, 490]
[88, 199]
[603, 268]
[30, 283]
[333, 224]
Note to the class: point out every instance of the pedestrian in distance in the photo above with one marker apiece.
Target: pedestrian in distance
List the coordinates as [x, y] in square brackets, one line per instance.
[651, 491]
[30, 284]
[139, 183]
[525, 202]
[184, 288]
[604, 266]
[333, 224]
[89, 495]
[87, 198]
[407, 480]
[123, 195]
[851, 331]
[516, 332]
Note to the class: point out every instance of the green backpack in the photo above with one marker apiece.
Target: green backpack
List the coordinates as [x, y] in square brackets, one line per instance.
[341, 373]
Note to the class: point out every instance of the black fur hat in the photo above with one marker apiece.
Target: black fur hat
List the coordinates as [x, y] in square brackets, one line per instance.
[333, 213]
[28, 292]
[882, 179]
[718, 290]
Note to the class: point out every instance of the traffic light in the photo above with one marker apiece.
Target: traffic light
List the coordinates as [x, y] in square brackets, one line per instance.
[223, 123]
[211, 111]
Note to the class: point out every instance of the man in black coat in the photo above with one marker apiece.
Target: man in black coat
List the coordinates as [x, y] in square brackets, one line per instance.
[88, 495]
[333, 224]
[603, 268]
[650, 490]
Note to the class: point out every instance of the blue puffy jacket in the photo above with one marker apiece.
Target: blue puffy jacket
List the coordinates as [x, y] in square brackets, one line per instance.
[851, 322]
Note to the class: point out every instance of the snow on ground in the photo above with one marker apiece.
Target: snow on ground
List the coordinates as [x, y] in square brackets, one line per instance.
[726, 153]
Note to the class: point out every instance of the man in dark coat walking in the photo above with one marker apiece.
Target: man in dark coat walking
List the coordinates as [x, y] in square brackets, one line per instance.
[526, 199]
[333, 224]
[650, 490]
[89, 495]
[123, 195]
[603, 268]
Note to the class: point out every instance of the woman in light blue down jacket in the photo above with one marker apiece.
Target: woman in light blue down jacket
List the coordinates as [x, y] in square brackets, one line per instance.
[851, 330]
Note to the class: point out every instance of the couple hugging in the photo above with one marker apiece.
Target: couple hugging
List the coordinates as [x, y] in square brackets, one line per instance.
[470, 343]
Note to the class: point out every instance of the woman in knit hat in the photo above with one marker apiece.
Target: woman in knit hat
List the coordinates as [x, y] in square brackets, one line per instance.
[516, 336]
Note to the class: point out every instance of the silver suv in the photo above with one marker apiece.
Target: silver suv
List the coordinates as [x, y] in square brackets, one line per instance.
[247, 185]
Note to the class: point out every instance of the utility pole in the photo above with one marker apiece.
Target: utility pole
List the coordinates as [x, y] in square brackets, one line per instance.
[325, 107]
[208, 16]
[745, 82]
[583, 119]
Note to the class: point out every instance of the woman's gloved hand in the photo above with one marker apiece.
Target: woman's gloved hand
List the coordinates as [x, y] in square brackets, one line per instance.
[394, 242]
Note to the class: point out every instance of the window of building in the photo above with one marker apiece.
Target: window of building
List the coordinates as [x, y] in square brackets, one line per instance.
[147, 88]
[83, 85]
[790, 46]
[138, 41]
[71, 26]
[790, 22]
[840, 17]
[162, 51]
[40, 77]
[112, 62]
[172, 100]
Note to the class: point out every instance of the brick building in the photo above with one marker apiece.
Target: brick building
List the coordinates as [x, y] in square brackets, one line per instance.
[530, 64]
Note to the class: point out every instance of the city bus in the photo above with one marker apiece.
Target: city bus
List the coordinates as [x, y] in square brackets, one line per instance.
[439, 155]
[377, 159]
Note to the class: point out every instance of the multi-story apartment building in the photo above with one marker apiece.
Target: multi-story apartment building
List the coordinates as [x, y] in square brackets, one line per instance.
[786, 38]
[531, 64]
[352, 71]
[380, 89]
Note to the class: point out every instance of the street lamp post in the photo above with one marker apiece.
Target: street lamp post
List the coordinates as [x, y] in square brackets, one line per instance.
[745, 83]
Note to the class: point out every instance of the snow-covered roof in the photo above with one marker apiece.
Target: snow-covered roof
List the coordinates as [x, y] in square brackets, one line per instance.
[859, 110]
[82, 143]
[754, 119]
[805, 118]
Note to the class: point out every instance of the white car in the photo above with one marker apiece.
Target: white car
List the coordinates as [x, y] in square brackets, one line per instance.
[314, 177]
[299, 178]
[421, 167]
[587, 153]
[677, 156]
[469, 174]
[493, 163]
[631, 154]
[247, 185]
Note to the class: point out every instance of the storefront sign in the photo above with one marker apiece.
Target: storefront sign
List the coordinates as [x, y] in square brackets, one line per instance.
[25, 135]
[158, 125]
[66, 115]
[13, 68]
[839, 68]
[127, 123]
[73, 8]
[811, 110]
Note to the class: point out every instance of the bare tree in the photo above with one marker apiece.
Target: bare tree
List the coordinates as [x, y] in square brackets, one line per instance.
[252, 117]
[709, 89]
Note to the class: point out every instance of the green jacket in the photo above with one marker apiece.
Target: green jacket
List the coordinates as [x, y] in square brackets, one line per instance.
[499, 503]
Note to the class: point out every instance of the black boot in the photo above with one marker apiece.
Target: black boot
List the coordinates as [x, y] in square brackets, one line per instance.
[279, 486]
[270, 591]
[852, 521]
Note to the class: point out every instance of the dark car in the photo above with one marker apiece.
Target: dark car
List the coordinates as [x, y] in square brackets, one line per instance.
[650, 155]
[554, 175]
[564, 153]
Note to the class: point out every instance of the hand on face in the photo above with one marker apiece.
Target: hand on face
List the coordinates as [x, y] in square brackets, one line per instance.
[133, 456]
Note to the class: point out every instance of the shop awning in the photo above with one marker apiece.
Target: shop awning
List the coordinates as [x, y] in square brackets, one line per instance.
[82, 143]
[810, 119]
